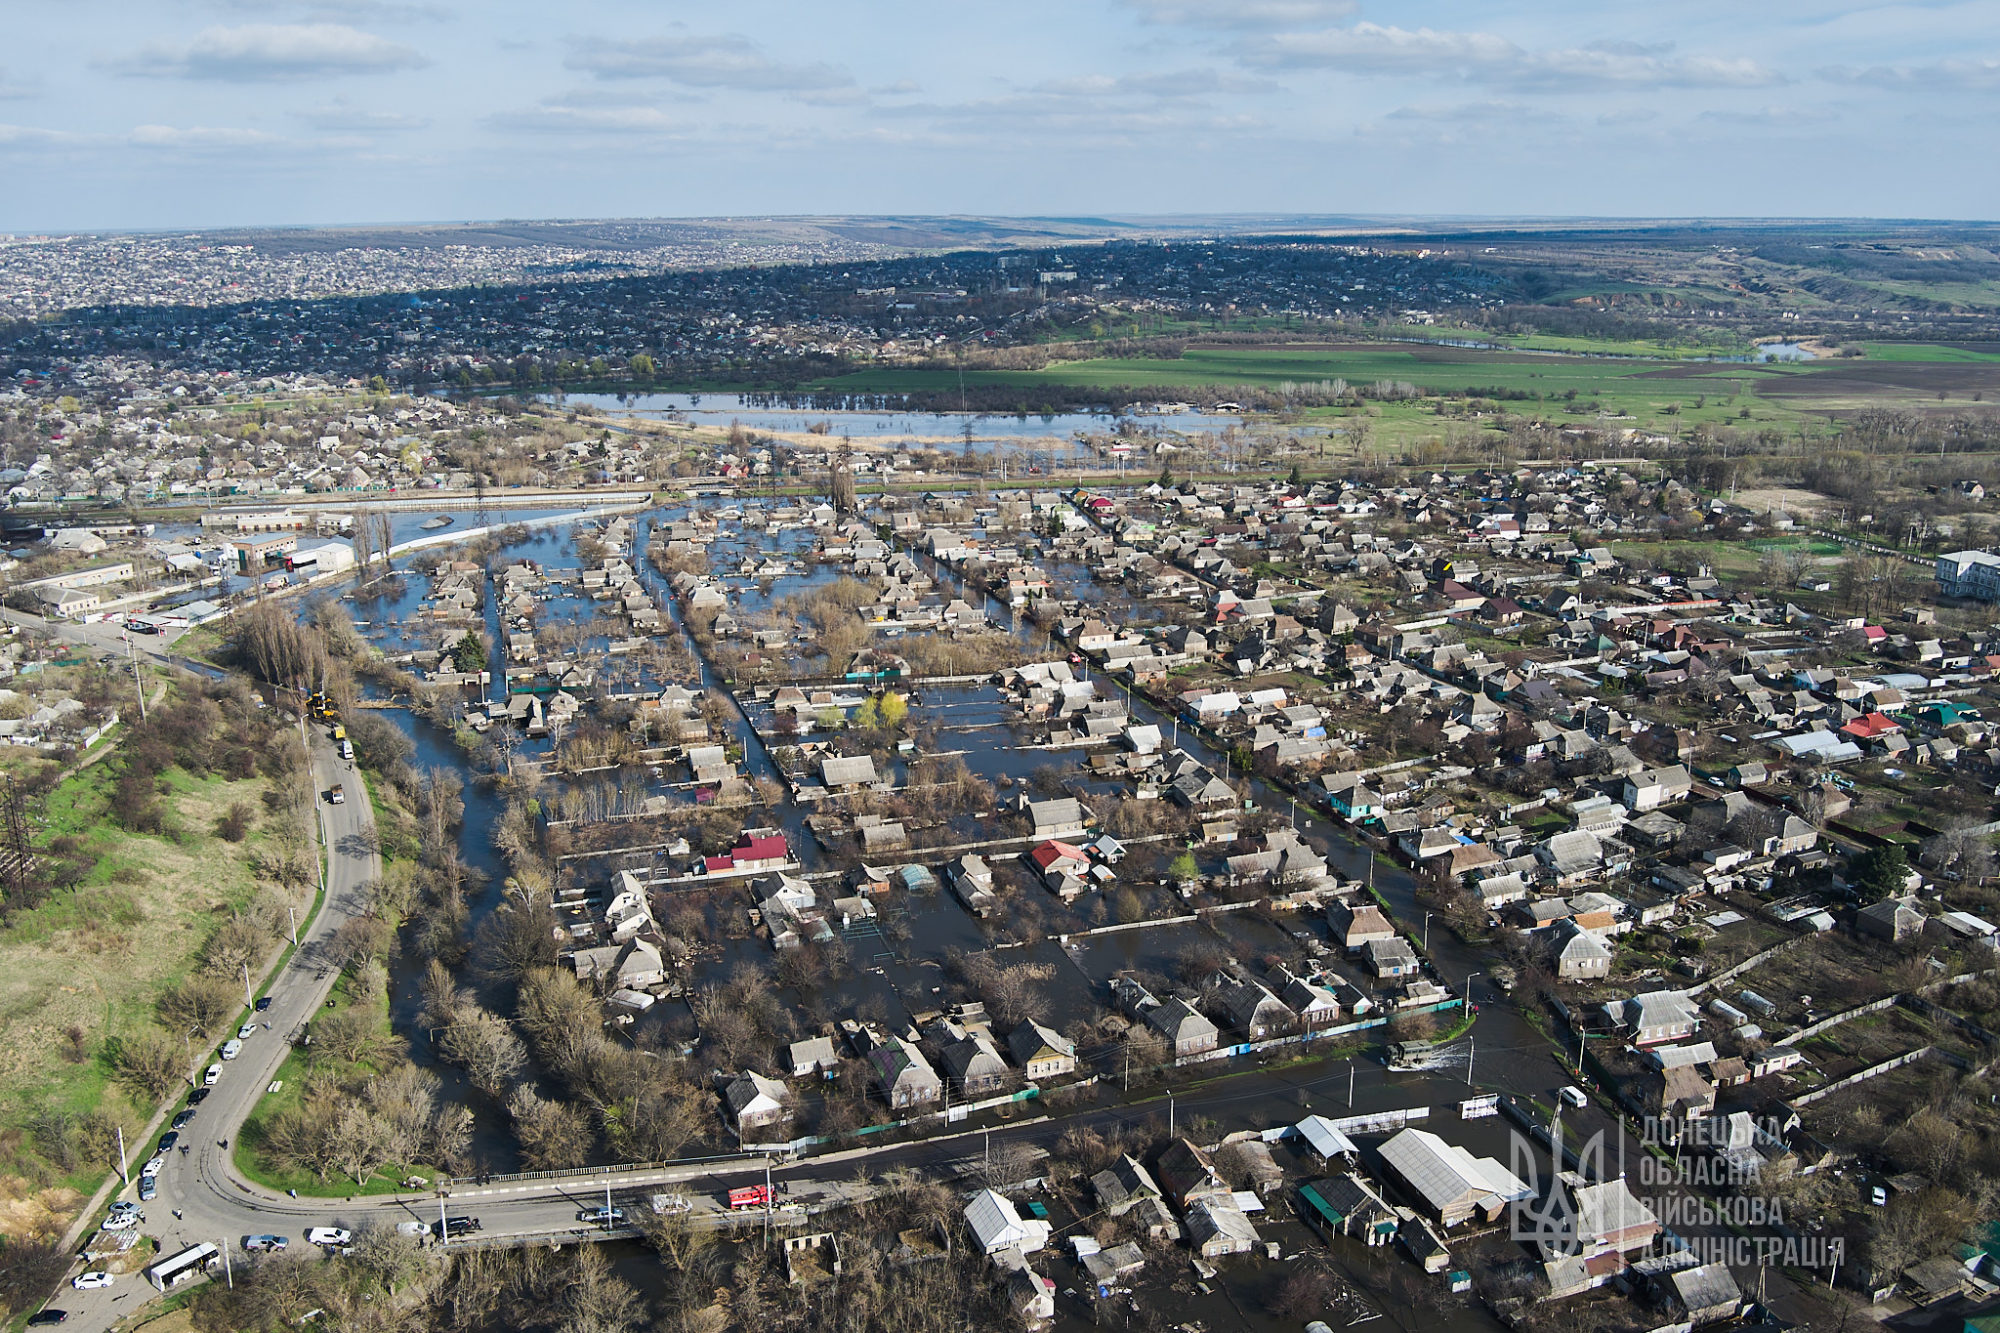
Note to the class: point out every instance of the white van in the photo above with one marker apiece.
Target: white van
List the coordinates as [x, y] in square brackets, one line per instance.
[212, 1077]
[1574, 1096]
[231, 1049]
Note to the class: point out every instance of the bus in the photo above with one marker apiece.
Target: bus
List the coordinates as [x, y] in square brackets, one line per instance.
[186, 1266]
[750, 1196]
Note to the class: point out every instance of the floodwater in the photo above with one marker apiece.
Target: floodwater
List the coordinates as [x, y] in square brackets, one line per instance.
[945, 430]
[897, 964]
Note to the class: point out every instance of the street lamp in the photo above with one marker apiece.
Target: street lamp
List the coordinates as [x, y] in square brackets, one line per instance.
[1427, 932]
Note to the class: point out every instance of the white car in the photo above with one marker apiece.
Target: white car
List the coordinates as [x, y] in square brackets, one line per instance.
[245, 1032]
[231, 1049]
[90, 1281]
[413, 1228]
[211, 1076]
[152, 1168]
[328, 1236]
[121, 1221]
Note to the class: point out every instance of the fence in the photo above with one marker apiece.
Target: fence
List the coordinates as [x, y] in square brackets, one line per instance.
[1314, 1034]
[1811, 1030]
[1863, 1075]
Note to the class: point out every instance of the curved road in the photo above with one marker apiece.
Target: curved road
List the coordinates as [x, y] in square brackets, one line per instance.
[215, 1202]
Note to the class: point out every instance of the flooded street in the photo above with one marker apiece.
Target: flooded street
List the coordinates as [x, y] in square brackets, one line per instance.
[898, 963]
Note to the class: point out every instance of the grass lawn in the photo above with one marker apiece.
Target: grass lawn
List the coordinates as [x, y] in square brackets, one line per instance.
[92, 960]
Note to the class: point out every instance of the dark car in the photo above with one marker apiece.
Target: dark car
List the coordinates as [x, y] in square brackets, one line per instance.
[455, 1226]
[47, 1317]
[168, 1140]
[263, 1004]
[197, 1097]
[184, 1119]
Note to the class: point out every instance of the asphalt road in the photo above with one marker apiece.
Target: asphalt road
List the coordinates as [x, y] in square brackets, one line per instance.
[215, 1203]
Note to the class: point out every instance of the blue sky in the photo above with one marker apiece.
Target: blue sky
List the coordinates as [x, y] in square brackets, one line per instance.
[185, 113]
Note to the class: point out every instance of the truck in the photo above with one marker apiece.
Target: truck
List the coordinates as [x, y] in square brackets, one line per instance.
[338, 796]
[750, 1196]
[339, 732]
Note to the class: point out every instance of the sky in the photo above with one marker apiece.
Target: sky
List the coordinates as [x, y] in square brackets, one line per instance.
[145, 114]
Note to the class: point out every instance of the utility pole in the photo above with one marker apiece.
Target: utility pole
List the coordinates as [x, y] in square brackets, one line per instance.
[1170, 1112]
[1350, 1083]
[121, 1156]
[444, 1226]
[227, 1273]
[1471, 1048]
[249, 1001]
[293, 917]
[139, 689]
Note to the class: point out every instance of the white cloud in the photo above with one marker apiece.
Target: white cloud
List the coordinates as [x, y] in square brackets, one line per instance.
[198, 138]
[1370, 48]
[1243, 13]
[698, 60]
[571, 119]
[257, 52]
[1166, 85]
[1771, 117]
[1951, 74]
[1079, 111]
[342, 115]
[31, 136]
[13, 88]
[392, 11]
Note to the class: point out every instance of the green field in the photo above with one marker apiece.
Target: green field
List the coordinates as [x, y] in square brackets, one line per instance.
[1445, 370]
[1658, 395]
[1934, 352]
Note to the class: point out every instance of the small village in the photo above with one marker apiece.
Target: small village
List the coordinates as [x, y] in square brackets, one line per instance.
[1019, 796]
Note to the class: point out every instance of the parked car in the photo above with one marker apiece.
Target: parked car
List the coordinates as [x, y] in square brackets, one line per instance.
[46, 1317]
[247, 1031]
[601, 1216]
[168, 1140]
[149, 1188]
[455, 1226]
[183, 1120]
[91, 1281]
[414, 1228]
[1574, 1096]
[259, 1244]
[263, 1003]
[328, 1236]
[214, 1074]
[153, 1165]
[231, 1049]
[200, 1095]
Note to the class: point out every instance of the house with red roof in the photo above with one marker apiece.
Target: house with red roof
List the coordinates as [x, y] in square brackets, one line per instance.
[1872, 726]
[753, 855]
[1063, 866]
